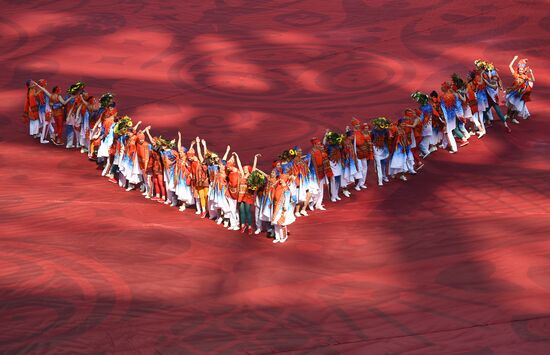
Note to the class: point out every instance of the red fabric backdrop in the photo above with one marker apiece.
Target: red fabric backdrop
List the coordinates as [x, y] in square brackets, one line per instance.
[455, 260]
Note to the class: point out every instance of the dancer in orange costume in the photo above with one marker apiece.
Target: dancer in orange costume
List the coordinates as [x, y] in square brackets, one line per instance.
[520, 93]
[30, 111]
[57, 103]
[365, 151]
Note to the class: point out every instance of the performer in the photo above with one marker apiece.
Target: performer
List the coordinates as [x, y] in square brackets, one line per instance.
[333, 142]
[464, 115]
[402, 160]
[247, 194]
[380, 140]
[493, 85]
[364, 149]
[57, 103]
[30, 111]
[449, 108]
[232, 193]
[155, 160]
[169, 161]
[143, 150]
[520, 93]
[283, 214]
[183, 178]
[320, 164]
[105, 152]
[477, 115]
[350, 164]
[413, 129]
[303, 184]
[87, 108]
[217, 200]
[424, 121]
[200, 183]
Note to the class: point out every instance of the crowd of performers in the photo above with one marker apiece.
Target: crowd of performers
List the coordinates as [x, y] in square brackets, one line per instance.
[243, 197]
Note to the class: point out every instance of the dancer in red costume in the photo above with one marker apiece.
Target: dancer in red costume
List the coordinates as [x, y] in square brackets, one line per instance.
[283, 214]
[321, 164]
[246, 195]
[57, 103]
[200, 179]
[155, 159]
[365, 151]
[30, 111]
[143, 149]
[520, 93]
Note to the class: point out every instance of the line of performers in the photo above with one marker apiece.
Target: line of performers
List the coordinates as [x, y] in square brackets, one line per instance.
[243, 197]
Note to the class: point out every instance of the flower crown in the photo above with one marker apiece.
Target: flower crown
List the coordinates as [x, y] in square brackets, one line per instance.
[420, 97]
[381, 123]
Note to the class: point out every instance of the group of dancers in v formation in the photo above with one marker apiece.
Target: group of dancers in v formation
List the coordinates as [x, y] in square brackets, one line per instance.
[243, 197]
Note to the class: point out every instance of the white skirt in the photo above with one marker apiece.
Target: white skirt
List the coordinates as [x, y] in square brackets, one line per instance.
[381, 153]
[336, 167]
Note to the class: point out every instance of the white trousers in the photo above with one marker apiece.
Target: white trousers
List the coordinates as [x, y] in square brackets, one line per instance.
[279, 232]
[231, 212]
[451, 139]
[424, 144]
[34, 127]
[257, 213]
[334, 187]
[317, 198]
[381, 169]
[364, 166]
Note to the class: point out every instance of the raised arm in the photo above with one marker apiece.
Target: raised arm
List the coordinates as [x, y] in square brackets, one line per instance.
[179, 141]
[226, 152]
[151, 139]
[511, 66]
[255, 161]
[199, 154]
[238, 160]
[136, 126]
[325, 136]
[204, 147]
[43, 89]
[532, 75]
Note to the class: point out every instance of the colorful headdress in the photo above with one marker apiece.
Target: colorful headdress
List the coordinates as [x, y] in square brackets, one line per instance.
[458, 82]
[42, 82]
[381, 123]
[123, 125]
[420, 97]
[355, 122]
[106, 99]
[256, 180]
[482, 65]
[334, 138]
[76, 88]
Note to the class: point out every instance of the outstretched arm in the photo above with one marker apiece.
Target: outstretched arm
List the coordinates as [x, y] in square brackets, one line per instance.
[151, 139]
[532, 75]
[325, 136]
[43, 89]
[179, 141]
[226, 152]
[199, 154]
[511, 66]
[238, 162]
[255, 161]
[136, 126]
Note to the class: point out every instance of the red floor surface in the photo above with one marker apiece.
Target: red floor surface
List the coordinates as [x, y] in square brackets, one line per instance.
[457, 260]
